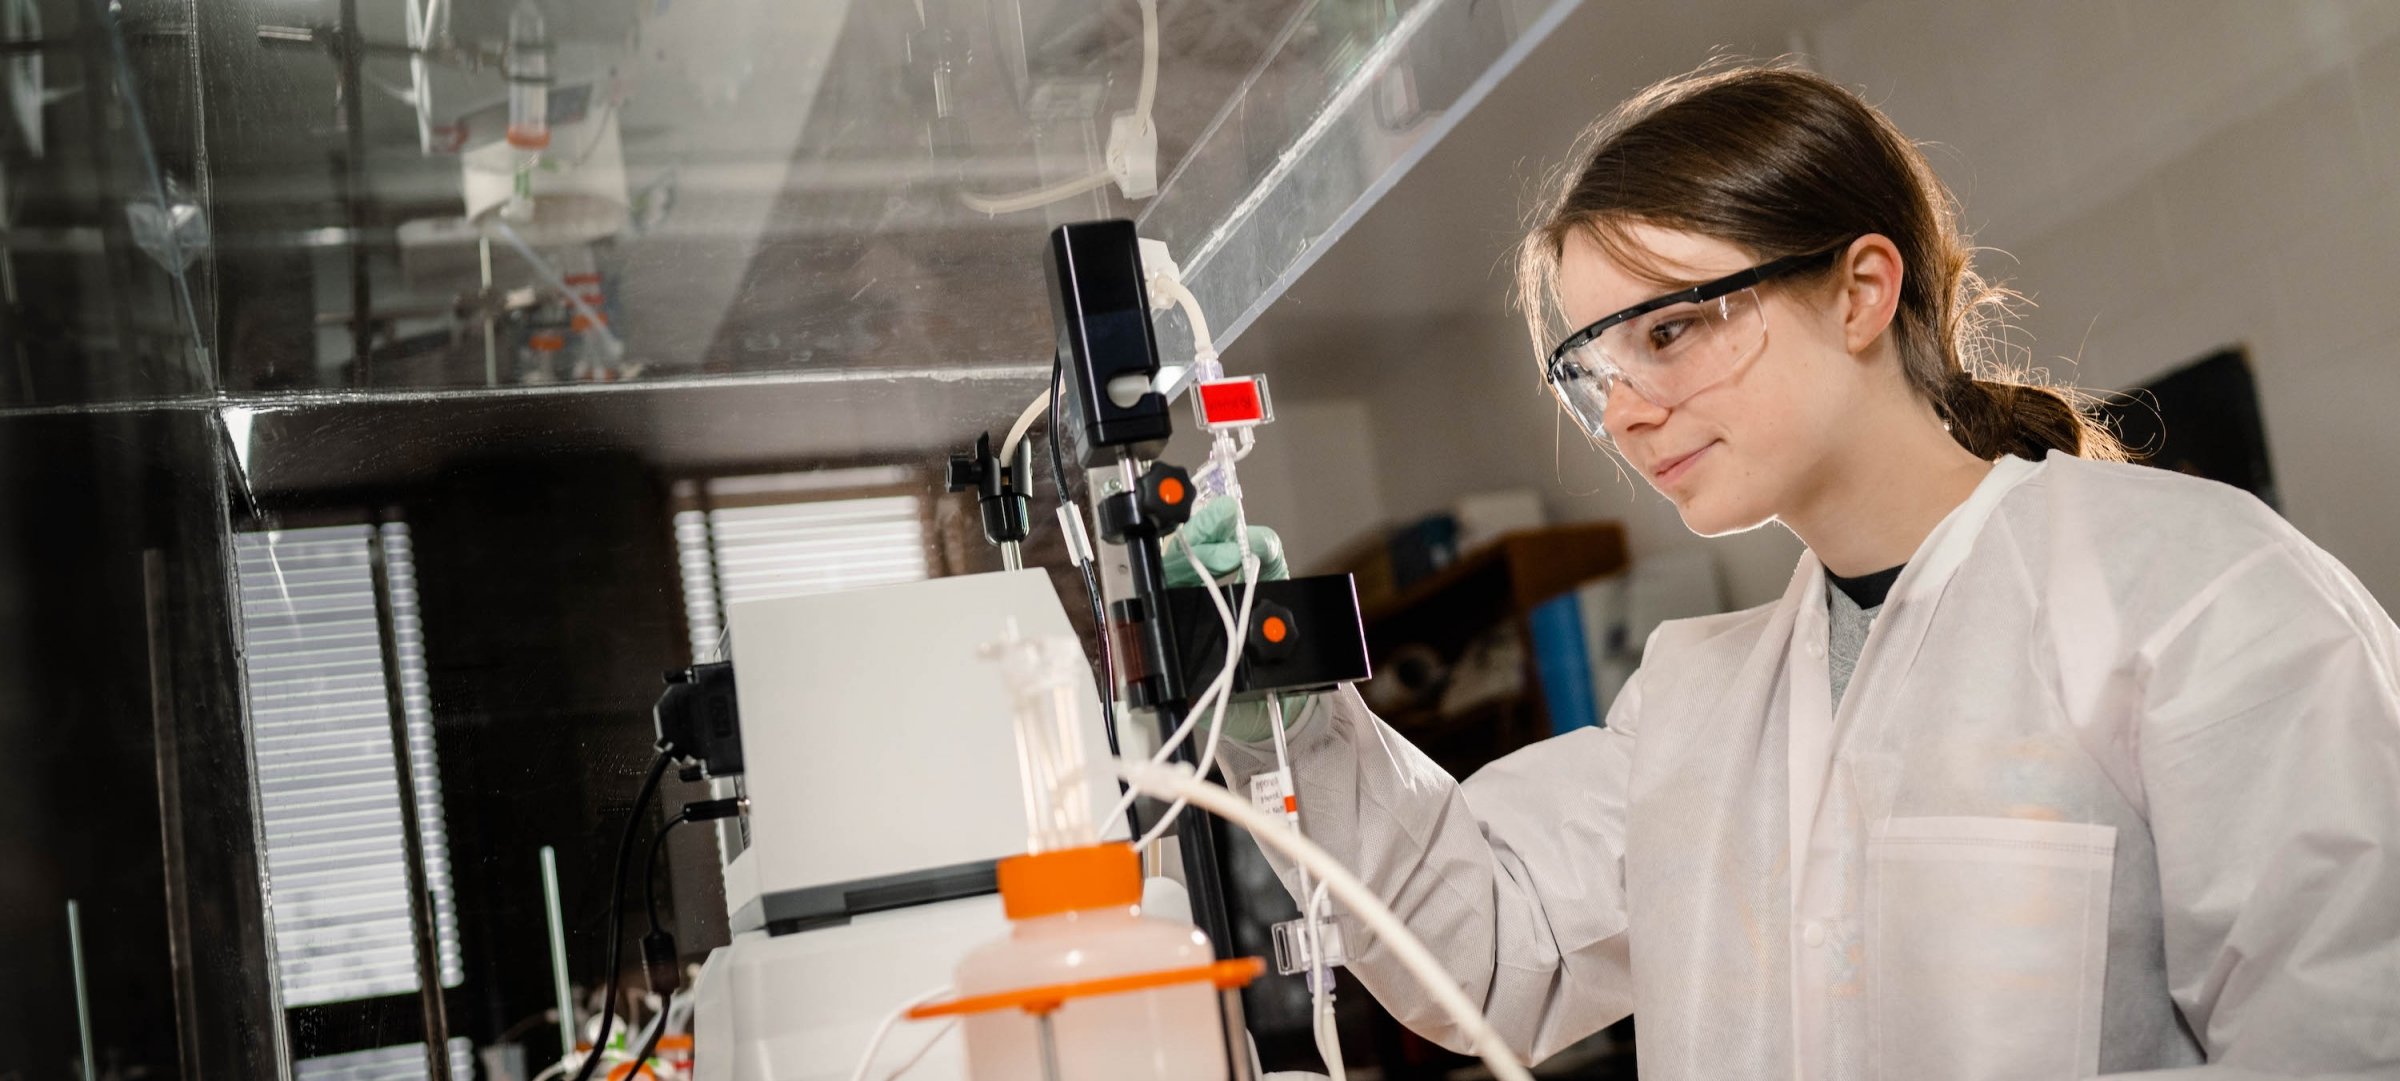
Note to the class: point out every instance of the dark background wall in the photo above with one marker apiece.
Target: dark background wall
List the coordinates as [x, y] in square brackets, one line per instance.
[128, 788]
[551, 609]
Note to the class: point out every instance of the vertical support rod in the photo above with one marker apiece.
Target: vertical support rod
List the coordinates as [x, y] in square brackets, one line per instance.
[551, 911]
[1049, 1035]
[352, 185]
[1237, 1035]
[404, 762]
[1194, 833]
[169, 747]
[491, 340]
[83, 998]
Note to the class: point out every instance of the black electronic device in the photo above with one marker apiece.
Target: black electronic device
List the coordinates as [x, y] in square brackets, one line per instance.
[1106, 348]
[1304, 635]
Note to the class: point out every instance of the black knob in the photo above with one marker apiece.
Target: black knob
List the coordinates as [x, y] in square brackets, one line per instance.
[1274, 634]
[1167, 495]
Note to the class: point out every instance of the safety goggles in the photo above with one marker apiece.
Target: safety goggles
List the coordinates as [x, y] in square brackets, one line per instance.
[1671, 347]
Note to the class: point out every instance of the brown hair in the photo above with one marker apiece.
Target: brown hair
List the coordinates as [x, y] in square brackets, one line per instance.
[1782, 161]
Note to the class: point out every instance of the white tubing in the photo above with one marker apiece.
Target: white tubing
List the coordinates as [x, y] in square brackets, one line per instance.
[911, 1064]
[609, 344]
[1218, 692]
[1016, 432]
[1149, 92]
[1035, 197]
[1165, 781]
[1237, 629]
[1067, 189]
[875, 1043]
[1202, 342]
[1320, 994]
[1223, 687]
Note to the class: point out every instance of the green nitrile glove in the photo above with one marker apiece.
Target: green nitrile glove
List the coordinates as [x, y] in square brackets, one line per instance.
[1211, 535]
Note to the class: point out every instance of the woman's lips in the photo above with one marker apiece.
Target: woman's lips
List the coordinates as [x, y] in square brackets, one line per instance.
[1673, 469]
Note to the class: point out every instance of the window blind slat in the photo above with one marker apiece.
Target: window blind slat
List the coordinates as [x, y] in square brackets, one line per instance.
[328, 776]
[790, 550]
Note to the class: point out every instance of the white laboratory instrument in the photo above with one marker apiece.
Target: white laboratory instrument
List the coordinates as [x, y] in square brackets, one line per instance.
[881, 770]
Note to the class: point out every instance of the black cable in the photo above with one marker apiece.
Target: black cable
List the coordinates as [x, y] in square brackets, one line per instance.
[657, 1029]
[1091, 593]
[616, 913]
[659, 956]
[707, 810]
[658, 841]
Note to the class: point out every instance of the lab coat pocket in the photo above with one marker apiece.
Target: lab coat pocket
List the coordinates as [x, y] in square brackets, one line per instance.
[1987, 947]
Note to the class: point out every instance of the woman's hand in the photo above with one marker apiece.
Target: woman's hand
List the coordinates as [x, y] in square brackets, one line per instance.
[1211, 536]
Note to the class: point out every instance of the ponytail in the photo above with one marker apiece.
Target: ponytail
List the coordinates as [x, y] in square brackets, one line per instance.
[1991, 418]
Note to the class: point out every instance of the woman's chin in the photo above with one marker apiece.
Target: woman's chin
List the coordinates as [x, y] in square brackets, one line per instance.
[1711, 519]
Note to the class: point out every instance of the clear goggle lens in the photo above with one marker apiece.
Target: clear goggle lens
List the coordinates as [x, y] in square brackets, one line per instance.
[1666, 356]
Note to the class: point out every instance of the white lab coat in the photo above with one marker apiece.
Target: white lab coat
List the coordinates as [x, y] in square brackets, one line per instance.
[2116, 788]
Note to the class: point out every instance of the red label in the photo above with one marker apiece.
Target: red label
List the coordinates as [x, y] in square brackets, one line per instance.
[1233, 401]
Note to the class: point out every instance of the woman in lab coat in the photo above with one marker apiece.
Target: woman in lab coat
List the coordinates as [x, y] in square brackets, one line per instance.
[2044, 766]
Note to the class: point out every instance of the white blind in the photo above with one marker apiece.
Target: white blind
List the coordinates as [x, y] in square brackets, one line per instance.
[405, 1062]
[329, 783]
[793, 549]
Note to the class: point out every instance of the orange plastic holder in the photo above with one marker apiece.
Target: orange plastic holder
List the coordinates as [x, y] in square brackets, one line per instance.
[1047, 999]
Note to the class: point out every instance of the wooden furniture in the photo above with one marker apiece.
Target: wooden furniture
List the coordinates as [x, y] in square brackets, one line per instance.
[1498, 584]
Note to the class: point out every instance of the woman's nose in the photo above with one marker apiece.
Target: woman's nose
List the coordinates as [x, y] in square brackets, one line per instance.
[1629, 409]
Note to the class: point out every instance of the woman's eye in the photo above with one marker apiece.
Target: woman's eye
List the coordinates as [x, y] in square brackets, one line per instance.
[1666, 331]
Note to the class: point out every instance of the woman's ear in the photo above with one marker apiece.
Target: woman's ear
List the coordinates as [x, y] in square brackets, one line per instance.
[1870, 282]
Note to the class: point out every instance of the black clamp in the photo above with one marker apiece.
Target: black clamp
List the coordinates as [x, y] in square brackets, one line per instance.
[1158, 506]
[1003, 490]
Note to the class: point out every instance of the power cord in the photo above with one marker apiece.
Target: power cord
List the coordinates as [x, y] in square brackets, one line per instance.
[661, 961]
[1091, 594]
[616, 910]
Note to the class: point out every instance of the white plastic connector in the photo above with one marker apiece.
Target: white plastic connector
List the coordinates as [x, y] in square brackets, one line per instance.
[1296, 946]
[1133, 154]
[1158, 269]
[1070, 529]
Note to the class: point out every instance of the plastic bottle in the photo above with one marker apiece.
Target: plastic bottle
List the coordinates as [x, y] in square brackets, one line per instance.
[527, 65]
[545, 351]
[1075, 909]
[1077, 917]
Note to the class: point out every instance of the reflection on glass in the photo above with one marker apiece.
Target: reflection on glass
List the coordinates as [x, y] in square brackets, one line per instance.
[418, 193]
[103, 231]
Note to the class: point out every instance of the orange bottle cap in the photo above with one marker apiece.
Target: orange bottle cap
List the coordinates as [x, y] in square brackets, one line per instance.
[1070, 880]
